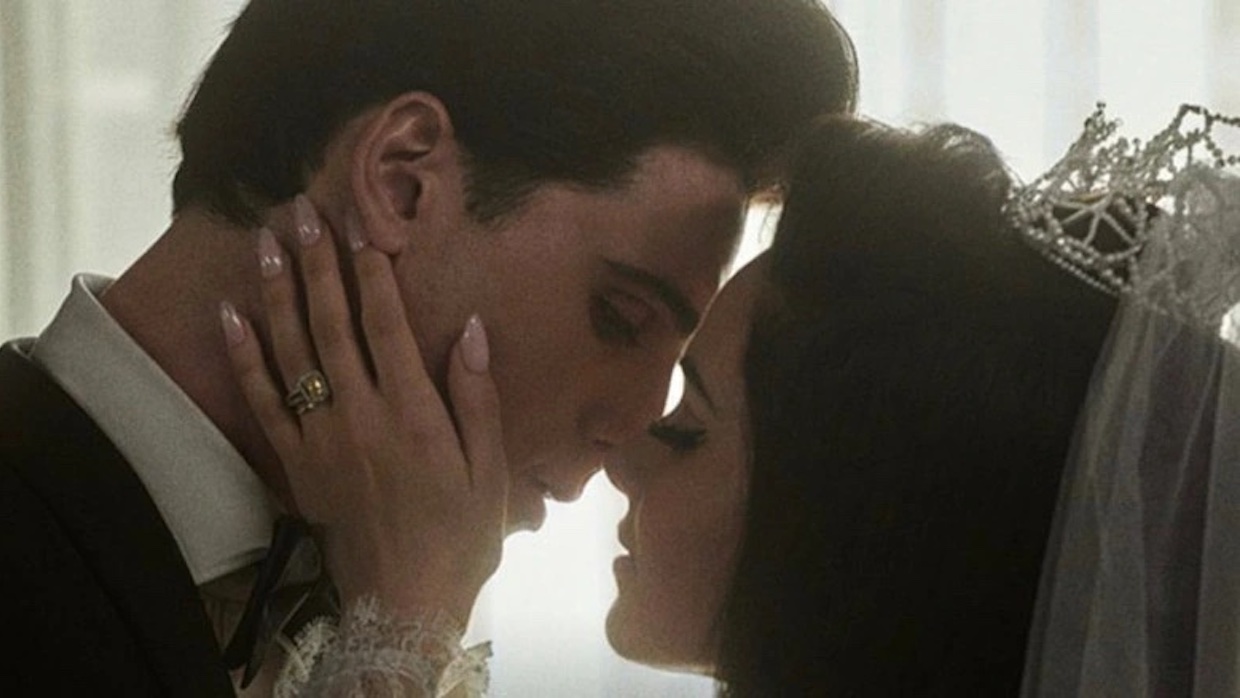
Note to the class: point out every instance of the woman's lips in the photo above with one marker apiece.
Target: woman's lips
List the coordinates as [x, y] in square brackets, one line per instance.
[624, 568]
[624, 532]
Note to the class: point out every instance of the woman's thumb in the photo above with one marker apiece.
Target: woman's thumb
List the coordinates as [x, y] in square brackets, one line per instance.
[475, 403]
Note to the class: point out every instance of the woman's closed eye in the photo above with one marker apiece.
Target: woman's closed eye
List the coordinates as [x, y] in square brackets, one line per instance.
[679, 439]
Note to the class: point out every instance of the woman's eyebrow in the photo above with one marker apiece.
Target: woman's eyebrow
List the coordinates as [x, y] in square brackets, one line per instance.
[685, 315]
[694, 379]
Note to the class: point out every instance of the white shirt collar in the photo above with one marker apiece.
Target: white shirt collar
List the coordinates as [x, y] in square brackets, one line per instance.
[216, 507]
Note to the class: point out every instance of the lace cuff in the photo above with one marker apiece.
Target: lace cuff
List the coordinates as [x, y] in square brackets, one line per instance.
[373, 654]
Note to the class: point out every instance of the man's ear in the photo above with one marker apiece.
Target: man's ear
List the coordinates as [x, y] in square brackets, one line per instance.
[405, 163]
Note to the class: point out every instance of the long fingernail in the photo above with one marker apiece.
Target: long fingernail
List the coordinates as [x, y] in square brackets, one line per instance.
[270, 256]
[234, 330]
[309, 227]
[353, 232]
[474, 346]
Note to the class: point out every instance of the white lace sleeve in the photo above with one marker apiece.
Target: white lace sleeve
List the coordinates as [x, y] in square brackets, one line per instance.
[372, 654]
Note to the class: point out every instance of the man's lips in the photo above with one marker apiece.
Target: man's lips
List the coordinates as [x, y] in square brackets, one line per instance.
[530, 509]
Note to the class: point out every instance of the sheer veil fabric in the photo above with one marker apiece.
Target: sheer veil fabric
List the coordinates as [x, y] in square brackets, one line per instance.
[1140, 594]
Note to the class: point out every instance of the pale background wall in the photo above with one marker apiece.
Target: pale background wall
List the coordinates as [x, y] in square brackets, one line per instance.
[89, 91]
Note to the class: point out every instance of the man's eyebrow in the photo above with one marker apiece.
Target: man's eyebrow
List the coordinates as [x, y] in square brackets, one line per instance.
[694, 379]
[684, 314]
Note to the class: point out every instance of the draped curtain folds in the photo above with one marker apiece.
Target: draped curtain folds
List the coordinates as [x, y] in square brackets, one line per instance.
[89, 92]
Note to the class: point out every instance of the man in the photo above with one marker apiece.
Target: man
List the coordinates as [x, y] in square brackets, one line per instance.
[572, 170]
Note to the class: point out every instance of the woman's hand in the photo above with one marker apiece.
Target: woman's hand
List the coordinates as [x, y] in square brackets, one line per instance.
[410, 506]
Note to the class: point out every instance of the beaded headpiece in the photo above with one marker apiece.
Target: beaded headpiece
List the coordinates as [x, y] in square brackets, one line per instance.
[1093, 211]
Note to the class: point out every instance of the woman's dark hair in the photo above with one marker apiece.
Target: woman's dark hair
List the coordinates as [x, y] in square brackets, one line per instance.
[538, 90]
[914, 373]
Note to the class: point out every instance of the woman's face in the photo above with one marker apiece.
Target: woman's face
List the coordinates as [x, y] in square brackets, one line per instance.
[687, 482]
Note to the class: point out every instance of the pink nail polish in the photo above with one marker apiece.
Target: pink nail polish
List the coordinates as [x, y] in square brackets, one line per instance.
[234, 329]
[353, 232]
[270, 256]
[309, 227]
[475, 349]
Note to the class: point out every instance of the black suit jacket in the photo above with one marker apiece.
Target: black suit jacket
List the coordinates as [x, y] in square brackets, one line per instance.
[95, 598]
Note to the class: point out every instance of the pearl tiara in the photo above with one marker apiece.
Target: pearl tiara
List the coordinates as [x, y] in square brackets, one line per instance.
[1093, 211]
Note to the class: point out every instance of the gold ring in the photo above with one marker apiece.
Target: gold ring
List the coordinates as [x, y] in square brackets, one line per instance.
[309, 392]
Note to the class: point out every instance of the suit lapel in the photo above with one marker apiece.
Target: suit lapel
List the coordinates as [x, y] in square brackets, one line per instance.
[104, 509]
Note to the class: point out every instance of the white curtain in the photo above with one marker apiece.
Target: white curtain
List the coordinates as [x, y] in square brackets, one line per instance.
[1028, 72]
[89, 91]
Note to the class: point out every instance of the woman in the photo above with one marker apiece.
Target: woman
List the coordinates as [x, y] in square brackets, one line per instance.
[856, 494]
[905, 435]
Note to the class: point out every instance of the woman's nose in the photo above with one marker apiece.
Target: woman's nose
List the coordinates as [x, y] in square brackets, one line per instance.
[615, 465]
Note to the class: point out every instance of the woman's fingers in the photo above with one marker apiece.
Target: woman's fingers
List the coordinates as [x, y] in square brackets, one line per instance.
[386, 470]
[389, 338]
[331, 322]
[475, 403]
[257, 385]
[291, 346]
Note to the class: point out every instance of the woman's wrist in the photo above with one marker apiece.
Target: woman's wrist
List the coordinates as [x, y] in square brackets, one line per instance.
[413, 595]
[375, 649]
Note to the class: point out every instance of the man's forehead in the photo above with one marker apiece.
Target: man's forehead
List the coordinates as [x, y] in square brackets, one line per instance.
[680, 171]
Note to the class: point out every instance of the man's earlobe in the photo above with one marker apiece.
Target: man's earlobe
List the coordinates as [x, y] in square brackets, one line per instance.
[405, 150]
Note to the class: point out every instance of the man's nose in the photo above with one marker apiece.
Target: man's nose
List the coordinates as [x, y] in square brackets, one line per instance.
[628, 412]
[569, 486]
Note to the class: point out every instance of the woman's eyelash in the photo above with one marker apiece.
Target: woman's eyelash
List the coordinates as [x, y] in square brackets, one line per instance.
[611, 325]
[678, 439]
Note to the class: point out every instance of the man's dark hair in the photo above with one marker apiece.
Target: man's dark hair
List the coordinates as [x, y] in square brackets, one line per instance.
[914, 373]
[538, 90]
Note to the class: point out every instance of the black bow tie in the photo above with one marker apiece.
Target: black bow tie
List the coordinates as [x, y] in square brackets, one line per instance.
[291, 590]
